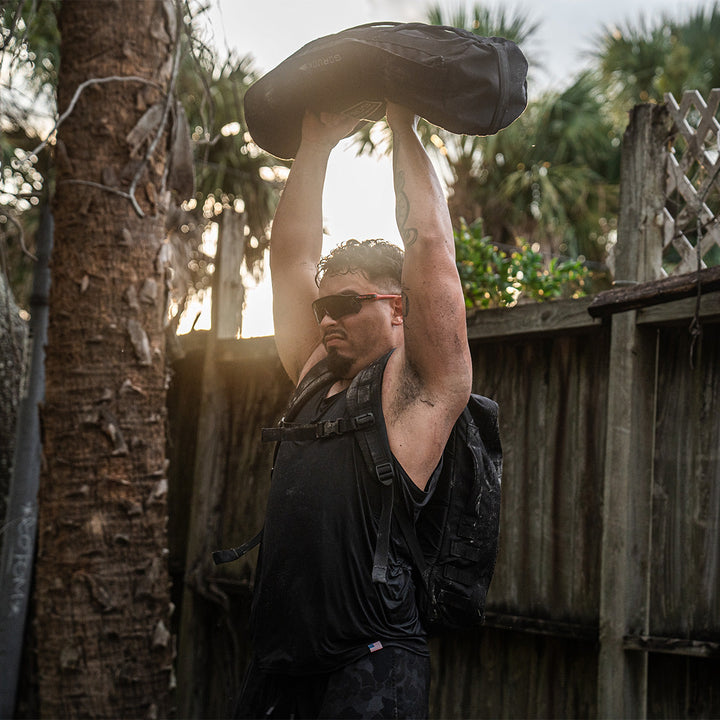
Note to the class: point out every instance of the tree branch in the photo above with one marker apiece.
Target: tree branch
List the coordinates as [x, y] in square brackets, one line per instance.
[169, 95]
[21, 234]
[109, 189]
[79, 90]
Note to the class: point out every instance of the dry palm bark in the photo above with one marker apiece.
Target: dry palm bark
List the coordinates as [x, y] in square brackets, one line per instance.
[102, 591]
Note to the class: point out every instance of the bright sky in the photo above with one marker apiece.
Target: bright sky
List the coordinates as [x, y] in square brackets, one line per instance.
[359, 200]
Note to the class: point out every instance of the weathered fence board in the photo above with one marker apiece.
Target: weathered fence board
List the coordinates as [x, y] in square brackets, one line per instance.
[682, 687]
[226, 507]
[553, 442]
[532, 320]
[652, 293]
[510, 674]
[685, 596]
[678, 311]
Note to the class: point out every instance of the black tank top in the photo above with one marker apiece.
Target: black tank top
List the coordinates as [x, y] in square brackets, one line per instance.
[315, 606]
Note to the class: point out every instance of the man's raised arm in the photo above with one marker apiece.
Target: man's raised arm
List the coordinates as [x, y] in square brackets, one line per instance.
[296, 242]
[436, 351]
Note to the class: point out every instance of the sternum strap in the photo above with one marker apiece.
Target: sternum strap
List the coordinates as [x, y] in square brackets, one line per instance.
[300, 432]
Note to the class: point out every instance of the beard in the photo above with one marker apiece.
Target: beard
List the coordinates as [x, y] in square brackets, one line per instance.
[338, 365]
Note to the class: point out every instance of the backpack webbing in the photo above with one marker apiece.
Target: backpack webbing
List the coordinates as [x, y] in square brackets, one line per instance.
[365, 396]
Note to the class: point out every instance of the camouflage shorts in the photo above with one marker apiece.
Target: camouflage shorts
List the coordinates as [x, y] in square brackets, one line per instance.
[390, 683]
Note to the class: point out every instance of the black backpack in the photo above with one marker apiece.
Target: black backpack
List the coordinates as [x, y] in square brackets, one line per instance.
[454, 542]
[455, 79]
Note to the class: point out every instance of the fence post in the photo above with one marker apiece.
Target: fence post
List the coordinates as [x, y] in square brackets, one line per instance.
[200, 598]
[625, 558]
[228, 289]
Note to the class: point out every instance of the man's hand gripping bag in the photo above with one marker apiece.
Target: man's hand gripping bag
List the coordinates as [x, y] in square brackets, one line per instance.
[452, 78]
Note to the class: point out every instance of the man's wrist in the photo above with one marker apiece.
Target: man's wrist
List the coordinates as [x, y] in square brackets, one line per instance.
[315, 147]
[401, 118]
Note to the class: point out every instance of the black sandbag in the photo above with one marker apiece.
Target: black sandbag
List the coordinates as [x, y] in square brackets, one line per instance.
[460, 81]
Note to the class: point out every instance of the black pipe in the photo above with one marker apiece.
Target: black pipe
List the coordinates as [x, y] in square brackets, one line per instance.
[18, 549]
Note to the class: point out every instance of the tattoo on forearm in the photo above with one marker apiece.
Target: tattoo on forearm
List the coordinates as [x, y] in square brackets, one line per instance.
[402, 210]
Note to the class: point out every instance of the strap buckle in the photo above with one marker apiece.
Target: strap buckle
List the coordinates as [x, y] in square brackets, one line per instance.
[327, 428]
[385, 472]
[364, 421]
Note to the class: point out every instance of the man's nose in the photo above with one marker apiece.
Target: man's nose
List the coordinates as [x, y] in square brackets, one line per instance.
[326, 319]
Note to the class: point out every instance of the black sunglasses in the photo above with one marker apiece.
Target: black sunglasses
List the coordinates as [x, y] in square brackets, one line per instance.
[337, 306]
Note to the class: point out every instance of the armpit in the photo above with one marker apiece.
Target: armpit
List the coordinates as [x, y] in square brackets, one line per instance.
[410, 391]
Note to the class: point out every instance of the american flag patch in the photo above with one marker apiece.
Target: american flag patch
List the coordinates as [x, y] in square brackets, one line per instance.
[374, 647]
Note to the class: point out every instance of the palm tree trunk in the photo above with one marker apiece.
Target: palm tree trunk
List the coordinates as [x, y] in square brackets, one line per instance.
[102, 587]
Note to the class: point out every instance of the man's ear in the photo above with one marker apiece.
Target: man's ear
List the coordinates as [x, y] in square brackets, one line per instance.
[398, 314]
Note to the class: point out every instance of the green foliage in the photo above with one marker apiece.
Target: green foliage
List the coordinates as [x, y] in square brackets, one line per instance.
[640, 62]
[486, 22]
[28, 68]
[492, 277]
[553, 175]
[232, 174]
[29, 53]
[229, 166]
[28, 56]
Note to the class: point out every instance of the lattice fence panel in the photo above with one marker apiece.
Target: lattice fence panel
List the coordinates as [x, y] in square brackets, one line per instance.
[692, 205]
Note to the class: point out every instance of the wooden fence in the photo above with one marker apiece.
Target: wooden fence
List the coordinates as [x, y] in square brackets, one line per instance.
[606, 597]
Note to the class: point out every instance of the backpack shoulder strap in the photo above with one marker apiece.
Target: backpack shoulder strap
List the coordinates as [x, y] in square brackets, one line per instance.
[317, 377]
[364, 398]
[224, 556]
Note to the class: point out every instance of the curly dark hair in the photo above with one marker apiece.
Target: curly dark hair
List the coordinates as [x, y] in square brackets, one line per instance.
[380, 261]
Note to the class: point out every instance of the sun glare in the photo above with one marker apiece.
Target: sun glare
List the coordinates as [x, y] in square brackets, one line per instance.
[358, 202]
